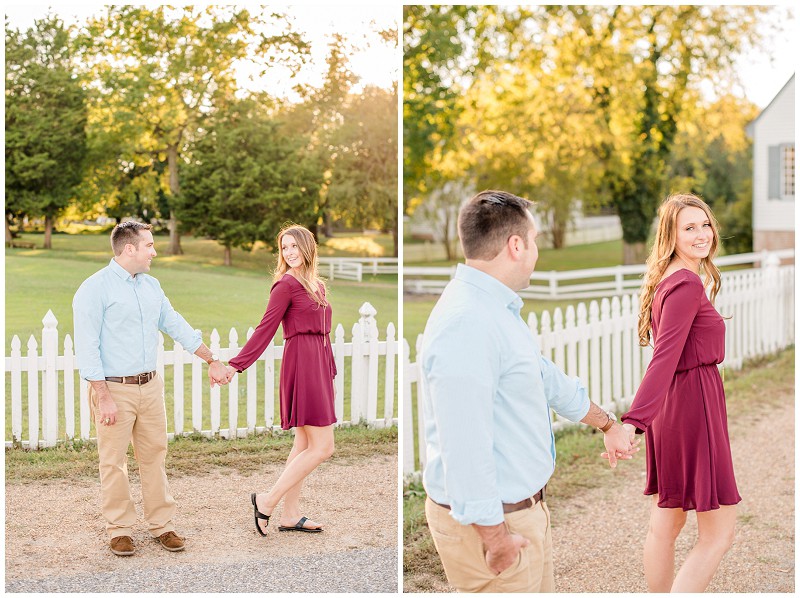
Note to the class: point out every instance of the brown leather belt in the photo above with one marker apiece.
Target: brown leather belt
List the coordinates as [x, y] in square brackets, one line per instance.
[137, 379]
[511, 507]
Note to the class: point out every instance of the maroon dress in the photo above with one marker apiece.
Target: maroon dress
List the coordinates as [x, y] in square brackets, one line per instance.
[680, 405]
[307, 366]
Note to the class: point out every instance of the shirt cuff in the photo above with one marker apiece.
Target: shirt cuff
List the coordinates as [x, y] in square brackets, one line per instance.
[480, 512]
[93, 374]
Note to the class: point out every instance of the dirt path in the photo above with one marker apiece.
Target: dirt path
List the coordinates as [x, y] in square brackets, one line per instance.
[55, 529]
[599, 535]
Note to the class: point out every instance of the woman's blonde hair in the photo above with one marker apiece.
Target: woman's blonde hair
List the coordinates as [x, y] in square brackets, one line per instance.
[664, 250]
[307, 272]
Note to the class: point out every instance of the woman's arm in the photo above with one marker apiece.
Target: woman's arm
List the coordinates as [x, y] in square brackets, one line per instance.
[680, 308]
[280, 297]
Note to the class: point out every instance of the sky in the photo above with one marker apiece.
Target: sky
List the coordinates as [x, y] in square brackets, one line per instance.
[763, 73]
[373, 60]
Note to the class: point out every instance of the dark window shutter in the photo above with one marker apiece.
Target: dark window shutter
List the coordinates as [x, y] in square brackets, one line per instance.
[774, 172]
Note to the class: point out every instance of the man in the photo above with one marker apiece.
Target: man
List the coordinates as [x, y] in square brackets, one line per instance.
[486, 398]
[118, 312]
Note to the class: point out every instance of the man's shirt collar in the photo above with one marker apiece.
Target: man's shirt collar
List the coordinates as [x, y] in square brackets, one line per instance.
[490, 285]
[120, 271]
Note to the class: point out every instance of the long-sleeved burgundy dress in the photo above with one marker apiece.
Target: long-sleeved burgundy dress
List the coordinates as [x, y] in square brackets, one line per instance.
[307, 366]
[680, 404]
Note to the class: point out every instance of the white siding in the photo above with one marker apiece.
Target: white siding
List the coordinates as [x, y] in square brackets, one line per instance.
[775, 126]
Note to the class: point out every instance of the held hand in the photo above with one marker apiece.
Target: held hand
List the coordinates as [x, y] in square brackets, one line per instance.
[230, 372]
[505, 555]
[620, 444]
[108, 411]
[217, 373]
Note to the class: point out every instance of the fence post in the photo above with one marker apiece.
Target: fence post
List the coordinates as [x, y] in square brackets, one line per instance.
[372, 361]
[358, 385]
[233, 390]
[773, 313]
[338, 382]
[33, 394]
[50, 394]
[252, 396]
[391, 355]
[69, 388]
[407, 411]
[365, 350]
[16, 390]
[177, 385]
[215, 391]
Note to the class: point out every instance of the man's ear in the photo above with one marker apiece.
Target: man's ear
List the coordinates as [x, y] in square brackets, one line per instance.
[515, 246]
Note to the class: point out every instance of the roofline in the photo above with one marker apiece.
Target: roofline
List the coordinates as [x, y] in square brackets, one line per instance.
[749, 127]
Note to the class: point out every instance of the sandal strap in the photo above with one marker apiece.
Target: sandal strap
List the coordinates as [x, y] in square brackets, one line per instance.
[299, 524]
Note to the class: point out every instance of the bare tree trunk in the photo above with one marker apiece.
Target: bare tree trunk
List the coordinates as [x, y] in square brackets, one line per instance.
[48, 232]
[228, 261]
[327, 225]
[395, 242]
[174, 188]
[634, 253]
[9, 237]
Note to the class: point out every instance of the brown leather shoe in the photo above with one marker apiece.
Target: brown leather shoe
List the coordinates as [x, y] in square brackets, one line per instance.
[122, 546]
[171, 541]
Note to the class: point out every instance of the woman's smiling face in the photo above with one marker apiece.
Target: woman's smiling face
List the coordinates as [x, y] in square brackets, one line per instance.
[694, 236]
[291, 252]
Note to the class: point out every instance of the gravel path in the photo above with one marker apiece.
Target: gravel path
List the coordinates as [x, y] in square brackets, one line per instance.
[355, 499]
[599, 536]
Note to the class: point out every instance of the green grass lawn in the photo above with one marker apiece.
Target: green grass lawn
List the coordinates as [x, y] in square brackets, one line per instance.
[207, 294]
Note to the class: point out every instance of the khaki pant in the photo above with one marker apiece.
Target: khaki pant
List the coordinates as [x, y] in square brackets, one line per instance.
[141, 418]
[461, 551]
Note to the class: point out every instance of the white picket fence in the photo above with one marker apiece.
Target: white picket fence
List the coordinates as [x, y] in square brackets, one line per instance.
[45, 402]
[354, 268]
[599, 344]
[572, 284]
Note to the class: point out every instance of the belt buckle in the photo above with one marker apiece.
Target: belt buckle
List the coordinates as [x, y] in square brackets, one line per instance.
[142, 378]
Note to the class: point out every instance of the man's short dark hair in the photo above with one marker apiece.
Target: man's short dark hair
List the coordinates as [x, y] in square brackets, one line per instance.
[126, 232]
[488, 220]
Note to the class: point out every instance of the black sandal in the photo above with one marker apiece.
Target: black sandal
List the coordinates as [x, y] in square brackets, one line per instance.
[258, 514]
[299, 527]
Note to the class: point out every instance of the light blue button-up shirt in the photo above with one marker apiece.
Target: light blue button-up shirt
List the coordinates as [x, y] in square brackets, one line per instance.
[486, 392]
[117, 318]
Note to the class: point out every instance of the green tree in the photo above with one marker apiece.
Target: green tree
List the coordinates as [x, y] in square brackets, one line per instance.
[45, 123]
[650, 59]
[158, 72]
[363, 185]
[247, 177]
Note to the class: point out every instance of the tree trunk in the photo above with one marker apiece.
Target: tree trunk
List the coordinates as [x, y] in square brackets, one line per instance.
[9, 236]
[395, 242]
[634, 253]
[48, 232]
[175, 189]
[327, 225]
[228, 261]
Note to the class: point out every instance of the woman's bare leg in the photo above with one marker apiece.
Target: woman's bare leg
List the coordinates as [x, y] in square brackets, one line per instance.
[659, 546]
[715, 533]
[313, 446]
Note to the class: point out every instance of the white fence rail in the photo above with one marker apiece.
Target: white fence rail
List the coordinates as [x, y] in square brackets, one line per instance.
[599, 344]
[353, 268]
[572, 284]
[51, 377]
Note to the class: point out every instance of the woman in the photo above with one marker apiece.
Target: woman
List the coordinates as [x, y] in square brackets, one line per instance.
[298, 301]
[680, 405]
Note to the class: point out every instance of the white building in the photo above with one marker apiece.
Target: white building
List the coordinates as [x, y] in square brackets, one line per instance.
[773, 172]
